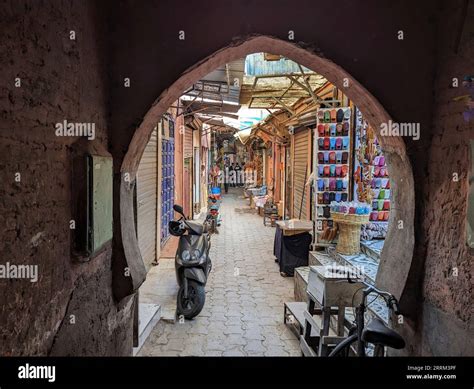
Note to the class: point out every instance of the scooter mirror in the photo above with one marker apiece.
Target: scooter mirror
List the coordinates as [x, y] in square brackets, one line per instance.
[179, 209]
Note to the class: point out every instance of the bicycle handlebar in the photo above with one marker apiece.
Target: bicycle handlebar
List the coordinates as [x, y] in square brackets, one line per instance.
[389, 298]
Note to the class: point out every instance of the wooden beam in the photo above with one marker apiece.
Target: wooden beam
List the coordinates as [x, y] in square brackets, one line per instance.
[279, 131]
[284, 105]
[196, 111]
[287, 89]
[296, 81]
[307, 84]
[269, 134]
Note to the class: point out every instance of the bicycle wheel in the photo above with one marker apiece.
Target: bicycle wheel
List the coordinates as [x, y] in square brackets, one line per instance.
[343, 348]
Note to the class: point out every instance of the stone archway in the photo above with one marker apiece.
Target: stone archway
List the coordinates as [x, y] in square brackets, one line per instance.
[398, 250]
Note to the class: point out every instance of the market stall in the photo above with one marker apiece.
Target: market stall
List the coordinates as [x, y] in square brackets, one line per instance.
[349, 166]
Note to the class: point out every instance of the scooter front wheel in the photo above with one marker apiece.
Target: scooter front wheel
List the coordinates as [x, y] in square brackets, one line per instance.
[192, 305]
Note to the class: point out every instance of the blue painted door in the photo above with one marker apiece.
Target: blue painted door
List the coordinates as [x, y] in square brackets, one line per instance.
[167, 186]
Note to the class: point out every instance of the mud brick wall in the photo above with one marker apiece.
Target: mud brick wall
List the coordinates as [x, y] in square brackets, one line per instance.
[447, 325]
[60, 79]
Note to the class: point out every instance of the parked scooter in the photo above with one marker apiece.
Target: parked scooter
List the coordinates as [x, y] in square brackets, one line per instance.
[213, 218]
[192, 263]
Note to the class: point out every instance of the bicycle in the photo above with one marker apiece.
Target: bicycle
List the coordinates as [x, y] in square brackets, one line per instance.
[376, 332]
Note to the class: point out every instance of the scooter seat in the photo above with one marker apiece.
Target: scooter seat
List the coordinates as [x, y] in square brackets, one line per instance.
[377, 332]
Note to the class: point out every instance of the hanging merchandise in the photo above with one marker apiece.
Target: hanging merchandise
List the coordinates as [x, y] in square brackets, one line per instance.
[333, 158]
[372, 183]
[258, 166]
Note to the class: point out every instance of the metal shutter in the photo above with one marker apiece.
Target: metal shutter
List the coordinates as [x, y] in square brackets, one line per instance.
[188, 143]
[300, 173]
[147, 192]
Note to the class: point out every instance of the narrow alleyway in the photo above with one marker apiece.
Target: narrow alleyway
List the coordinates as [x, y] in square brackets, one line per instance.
[243, 314]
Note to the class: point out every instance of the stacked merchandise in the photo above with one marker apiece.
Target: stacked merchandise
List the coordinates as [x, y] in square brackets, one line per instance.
[350, 208]
[257, 164]
[333, 134]
[381, 188]
[371, 179]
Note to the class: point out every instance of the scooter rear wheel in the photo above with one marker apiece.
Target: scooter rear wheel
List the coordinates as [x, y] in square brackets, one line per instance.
[191, 306]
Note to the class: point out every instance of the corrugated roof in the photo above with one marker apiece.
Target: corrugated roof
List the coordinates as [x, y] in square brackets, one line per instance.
[216, 95]
[257, 65]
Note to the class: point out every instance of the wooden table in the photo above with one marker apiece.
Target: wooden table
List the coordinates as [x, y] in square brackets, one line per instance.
[291, 244]
[295, 226]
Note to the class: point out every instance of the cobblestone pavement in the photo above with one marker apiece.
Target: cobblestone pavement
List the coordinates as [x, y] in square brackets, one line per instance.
[243, 314]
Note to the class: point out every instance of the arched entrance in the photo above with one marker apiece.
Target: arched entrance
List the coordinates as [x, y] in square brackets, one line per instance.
[397, 253]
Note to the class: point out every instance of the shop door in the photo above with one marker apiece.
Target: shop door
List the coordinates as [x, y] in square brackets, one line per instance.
[301, 169]
[288, 182]
[197, 182]
[167, 186]
[279, 173]
[187, 174]
[147, 198]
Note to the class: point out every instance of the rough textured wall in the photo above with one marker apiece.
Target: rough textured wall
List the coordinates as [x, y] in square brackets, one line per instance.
[449, 298]
[60, 79]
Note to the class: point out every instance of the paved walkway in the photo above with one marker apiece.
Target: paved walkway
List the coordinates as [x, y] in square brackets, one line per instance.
[243, 314]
